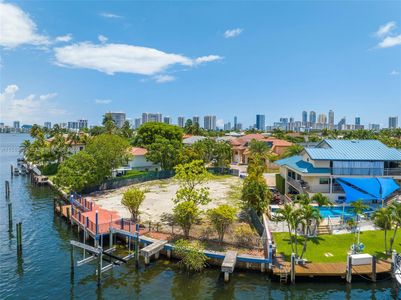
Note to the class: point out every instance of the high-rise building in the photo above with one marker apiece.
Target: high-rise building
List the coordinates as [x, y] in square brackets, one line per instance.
[209, 122]
[227, 126]
[82, 124]
[235, 123]
[312, 117]
[357, 121]
[393, 122]
[260, 122]
[331, 119]
[239, 126]
[47, 125]
[118, 118]
[181, 121]
[137, 123]
[195, 119]
[16, 125]
[152, 117]
[304, 117]
[374, 127]
[342, 124]
[168, 120]
[322, 119]
[72, 125]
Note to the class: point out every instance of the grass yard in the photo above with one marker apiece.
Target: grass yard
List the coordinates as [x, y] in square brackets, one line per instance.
[334, 248]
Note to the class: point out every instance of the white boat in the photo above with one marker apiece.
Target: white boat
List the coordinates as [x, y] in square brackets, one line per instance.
[397, 269]
[16, 171]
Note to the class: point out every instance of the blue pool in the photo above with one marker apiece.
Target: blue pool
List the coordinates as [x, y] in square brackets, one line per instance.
[336, 211]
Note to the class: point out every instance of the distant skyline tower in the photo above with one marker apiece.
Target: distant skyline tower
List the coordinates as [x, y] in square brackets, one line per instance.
[118, 118]
[209, 122]
[235, 123]
[312, 117]
[331, 119]
[168, 120]
[261, 122]
[48, 125]
[195, 119]
[342, 123]
[304, 117]
[322, 119]
[16, 125]
[137, 123]
[357, 120]
[181, 121]
[392, 122]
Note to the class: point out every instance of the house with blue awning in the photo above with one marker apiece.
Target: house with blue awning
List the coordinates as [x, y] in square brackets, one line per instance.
[344, 169]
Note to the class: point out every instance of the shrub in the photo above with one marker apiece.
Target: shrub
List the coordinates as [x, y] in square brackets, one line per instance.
[132, 200]
[192, 255]
[221, 217]
[244, 234]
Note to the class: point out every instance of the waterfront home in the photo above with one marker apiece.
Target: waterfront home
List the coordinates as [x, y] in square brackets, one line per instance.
[240, 146]
[190, 140]
[139, 160]
[336, 167]
[73, 146]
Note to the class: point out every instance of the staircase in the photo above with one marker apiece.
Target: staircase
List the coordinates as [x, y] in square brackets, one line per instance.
[323, 229]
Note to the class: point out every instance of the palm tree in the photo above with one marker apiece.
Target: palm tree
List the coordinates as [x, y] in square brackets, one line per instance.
[321, 200]
[358, 207]
[310, 215]
[293, 150]
[383, 218]
[24, 147]
[396, 208]
[286, 214]
[302, 199]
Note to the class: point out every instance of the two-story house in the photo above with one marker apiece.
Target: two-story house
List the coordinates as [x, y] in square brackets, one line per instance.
[322, 168]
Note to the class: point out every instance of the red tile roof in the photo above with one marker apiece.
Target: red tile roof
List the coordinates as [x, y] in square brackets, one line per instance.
[138, 151]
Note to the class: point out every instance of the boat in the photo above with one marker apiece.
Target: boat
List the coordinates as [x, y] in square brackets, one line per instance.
[397, 268]
[16, 171]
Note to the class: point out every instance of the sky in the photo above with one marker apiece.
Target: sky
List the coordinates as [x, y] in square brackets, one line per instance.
[62, 61]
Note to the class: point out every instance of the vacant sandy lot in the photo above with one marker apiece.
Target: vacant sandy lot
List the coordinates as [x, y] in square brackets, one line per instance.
[159, 195]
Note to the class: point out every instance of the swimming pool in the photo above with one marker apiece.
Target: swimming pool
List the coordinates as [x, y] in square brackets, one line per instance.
[336, 211]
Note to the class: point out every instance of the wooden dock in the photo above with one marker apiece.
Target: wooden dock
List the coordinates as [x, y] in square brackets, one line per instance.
[331, 269]
[228, 264]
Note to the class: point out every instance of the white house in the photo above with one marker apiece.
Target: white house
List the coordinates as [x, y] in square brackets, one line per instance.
[139, 161]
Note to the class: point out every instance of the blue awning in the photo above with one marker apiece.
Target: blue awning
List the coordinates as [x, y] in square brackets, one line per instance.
[367, 188]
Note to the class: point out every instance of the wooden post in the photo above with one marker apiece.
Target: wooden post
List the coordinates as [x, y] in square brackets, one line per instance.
[19, 236]
[293, 268]
[12, 171]
[96, 229]
[374, 268]
[349, 269]
[168, 253]
[72, 259]
[68, 214]
[111, 239]
[10, 214]
[393, 263]
[7, 189]
[99, 268]
[137, 245]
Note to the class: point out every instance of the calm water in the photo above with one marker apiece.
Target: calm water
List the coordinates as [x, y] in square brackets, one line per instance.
[43, 271]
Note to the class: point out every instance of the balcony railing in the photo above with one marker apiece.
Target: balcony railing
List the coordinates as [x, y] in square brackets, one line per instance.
[300, 185]
[367, 171]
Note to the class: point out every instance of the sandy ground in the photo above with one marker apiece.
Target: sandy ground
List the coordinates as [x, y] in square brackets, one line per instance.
[159, 195]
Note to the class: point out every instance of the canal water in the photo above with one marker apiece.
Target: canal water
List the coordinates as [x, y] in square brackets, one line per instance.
[43, 270]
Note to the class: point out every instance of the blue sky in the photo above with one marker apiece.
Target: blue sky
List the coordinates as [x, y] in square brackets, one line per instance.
[61, 61]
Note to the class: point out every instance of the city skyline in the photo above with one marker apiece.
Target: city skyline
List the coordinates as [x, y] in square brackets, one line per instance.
[205, 70]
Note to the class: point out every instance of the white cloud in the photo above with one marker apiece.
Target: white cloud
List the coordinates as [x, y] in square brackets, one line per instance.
[122, 58]
[220, 123]
[102, 101]
[209, 58]
[102, 38]
[394, 72]
[17, 28]
[390, 41]
[28, 109]
[385, 29]
[110, 15]
[64, 38]
[231, 33]
[163, 78]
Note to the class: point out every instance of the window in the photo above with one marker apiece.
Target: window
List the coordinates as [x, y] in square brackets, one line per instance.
[324, 180]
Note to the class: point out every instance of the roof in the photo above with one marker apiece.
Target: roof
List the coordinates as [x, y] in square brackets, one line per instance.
[193, 139]
[295, 162]
[137, 151]
[372, 150]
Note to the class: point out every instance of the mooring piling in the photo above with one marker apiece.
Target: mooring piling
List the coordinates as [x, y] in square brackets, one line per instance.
[10, 213]
[293, 268]
[12, 171]
[7, 189]
[19, 236]
[137, 245]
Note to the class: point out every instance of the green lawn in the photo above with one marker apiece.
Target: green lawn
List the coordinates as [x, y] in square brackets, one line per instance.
[337, 245]
[133, 173]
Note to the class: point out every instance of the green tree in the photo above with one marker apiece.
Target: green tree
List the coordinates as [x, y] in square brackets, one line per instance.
[106, 118]
[396, 209]
[293, 150]
[126, 131]
[77, 172]
[191, 175]
[221, 218]
[164, 152]
[205, 149]
[255, 193]
[383, 218]
[222, 154]
[24, 147]
[310, 216]
[358, 207]
[321, 200]
[132, 200]
[149, 132]
[185, 214]
[259, 147]
[303, 199]
[109, 151]
[192, 255]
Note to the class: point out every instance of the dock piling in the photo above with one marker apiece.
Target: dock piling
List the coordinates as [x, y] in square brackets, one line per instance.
[374, 268]
[19, 236]
[10, 214]
[7, 189]
[293, 268]
[12, 171]
[393, 263]
[349, 269]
